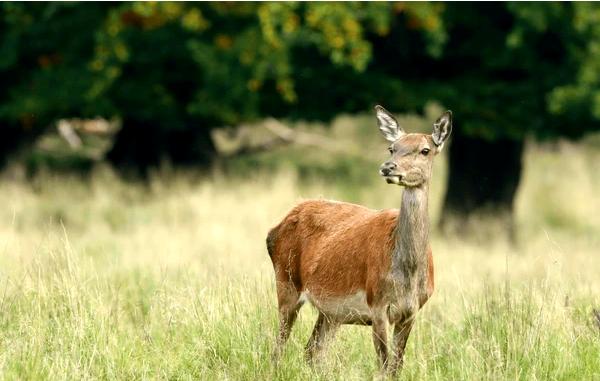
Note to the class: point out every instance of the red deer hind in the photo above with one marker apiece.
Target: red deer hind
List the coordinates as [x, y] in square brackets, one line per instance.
[357, 265]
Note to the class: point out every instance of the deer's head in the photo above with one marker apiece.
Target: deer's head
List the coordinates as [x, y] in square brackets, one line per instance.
[411, 154]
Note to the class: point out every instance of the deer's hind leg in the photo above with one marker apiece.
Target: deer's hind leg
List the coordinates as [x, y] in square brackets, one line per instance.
[289, 302]
[323, 331]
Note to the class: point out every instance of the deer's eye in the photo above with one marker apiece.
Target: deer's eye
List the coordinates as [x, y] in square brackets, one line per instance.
[425, 151]
[391, 150]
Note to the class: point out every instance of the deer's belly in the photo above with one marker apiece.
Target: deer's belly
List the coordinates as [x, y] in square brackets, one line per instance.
[346, 309]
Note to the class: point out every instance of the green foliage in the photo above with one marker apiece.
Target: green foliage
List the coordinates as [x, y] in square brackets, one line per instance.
[582, 98]
[507, 69]
[43, 52]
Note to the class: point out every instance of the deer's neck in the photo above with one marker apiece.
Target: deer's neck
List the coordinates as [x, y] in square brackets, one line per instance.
[411, 234]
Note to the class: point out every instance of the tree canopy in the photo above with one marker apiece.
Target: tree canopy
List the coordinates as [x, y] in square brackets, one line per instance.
[174, 71]
[509, 68]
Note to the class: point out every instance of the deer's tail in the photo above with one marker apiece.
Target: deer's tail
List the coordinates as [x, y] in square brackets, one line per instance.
[271, 238]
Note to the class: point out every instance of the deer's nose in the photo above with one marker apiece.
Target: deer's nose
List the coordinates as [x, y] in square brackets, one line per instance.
[387, 168]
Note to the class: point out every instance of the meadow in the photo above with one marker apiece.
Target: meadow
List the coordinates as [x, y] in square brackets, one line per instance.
[103, 278]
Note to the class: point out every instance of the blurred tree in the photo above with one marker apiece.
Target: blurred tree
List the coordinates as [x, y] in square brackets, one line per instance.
[174, 71]
[507, 70]
[503, 71]
[43, 75]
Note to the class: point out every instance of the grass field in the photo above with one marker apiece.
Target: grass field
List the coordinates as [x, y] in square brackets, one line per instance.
[106, 279]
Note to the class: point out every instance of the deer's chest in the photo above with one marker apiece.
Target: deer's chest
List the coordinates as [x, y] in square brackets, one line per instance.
[403, 295]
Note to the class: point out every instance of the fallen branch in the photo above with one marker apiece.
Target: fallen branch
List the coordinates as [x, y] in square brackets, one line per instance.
[288, 135]
[281, 135]
[68, 133]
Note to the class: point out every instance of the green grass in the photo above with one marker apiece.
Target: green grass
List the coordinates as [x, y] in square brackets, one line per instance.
[105, 279]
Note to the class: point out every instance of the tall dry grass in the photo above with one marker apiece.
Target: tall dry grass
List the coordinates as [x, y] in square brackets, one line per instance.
[105, 279]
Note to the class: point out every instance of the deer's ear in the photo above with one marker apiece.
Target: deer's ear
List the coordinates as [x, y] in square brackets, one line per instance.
[442, 129]
[388, 125]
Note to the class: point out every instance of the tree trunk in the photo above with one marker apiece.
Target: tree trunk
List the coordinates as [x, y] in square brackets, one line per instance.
[14, 138]
[141, 145]
[482, 181]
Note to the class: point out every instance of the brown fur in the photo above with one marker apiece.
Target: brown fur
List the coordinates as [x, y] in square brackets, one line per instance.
[349, 249]
[430, 277]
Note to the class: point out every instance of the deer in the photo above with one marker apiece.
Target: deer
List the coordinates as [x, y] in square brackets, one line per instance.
[361, 266]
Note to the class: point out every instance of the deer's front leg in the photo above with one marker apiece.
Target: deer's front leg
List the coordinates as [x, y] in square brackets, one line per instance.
[380, 337]
[401, 332]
